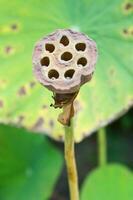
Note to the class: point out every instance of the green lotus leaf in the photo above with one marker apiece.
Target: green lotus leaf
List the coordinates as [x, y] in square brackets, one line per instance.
[110, 182]
[24, 102]
[27, 165]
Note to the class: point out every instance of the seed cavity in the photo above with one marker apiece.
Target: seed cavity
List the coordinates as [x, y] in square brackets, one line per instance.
[45, 61]
[64, 40]
[50, 48]
[53, 74]
[66, 56]
[80, 46]
[82, 61]
[69, 73]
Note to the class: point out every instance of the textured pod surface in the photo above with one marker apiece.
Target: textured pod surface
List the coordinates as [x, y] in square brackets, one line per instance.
[64, 60]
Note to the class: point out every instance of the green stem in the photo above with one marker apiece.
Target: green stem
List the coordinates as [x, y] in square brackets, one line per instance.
[102, 146]
[71, 163]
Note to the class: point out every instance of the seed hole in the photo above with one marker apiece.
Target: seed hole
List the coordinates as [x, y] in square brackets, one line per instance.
[82, 61]
[53, 74]
[69, 73]
[64, 40]
[66, 56]
[80, 46]
[50, 47]
[45, 61]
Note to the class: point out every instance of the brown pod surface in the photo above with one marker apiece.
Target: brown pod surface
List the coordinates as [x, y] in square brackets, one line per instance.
[64, 60]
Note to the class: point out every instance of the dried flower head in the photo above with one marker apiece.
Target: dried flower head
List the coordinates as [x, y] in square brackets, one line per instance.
[63, 61]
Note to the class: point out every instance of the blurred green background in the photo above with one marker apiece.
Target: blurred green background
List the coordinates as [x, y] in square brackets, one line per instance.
[31, 164]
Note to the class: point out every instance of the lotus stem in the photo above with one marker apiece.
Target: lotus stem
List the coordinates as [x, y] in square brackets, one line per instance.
[71, 163]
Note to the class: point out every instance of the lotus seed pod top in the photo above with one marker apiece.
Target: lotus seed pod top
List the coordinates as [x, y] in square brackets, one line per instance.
[64, 60]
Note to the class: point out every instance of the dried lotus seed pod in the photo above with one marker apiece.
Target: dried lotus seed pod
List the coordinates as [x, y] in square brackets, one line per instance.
[64, 60]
